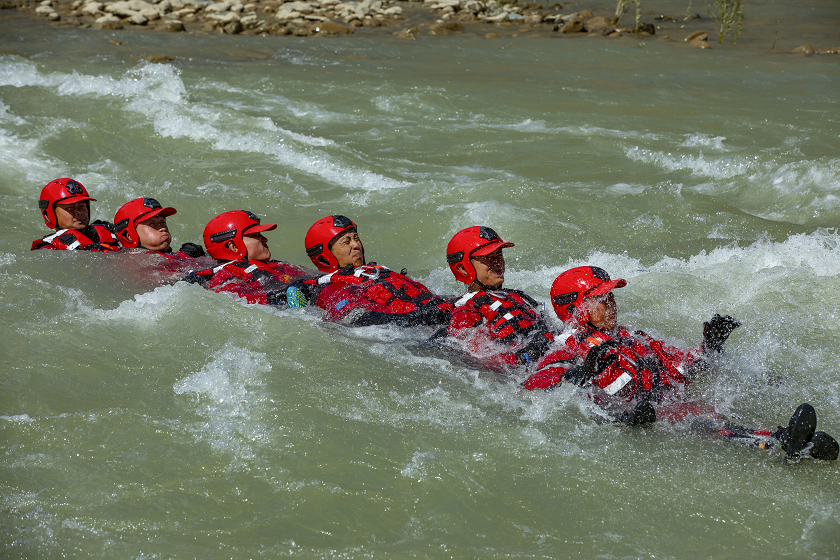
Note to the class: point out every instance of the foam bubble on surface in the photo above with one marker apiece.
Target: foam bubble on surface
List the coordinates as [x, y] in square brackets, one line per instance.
[21, 160]
[225, 397]
[8, 118]
[704, 141]
[144, 309]
[157, 92]
[715, 167]
[19, 418]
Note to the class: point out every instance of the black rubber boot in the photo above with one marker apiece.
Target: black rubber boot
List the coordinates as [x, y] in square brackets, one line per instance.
[799, 431]
[824, 447]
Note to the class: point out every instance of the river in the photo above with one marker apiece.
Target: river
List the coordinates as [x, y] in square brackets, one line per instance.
[146, 419]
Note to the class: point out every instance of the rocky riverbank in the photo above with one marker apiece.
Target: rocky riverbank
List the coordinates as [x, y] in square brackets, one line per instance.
[409, 20]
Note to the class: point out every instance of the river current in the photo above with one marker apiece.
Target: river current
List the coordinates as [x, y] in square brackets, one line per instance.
[141, 418]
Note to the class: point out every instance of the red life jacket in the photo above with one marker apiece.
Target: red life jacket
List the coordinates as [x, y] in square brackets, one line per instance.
[507, 313]
[94, 237]
[371, 287]
[253, 280]
[644, 367]
[509, 317]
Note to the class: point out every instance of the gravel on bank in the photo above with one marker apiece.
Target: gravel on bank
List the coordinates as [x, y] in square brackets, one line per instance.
[407, 20]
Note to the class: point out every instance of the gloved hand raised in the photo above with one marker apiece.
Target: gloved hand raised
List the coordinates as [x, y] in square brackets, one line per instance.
[716, 330]
[595, 363]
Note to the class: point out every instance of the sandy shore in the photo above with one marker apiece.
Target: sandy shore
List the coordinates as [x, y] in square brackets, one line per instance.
[666, 21]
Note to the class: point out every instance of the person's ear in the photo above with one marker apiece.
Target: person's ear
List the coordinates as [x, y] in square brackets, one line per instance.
[231, 246]
[460, 268]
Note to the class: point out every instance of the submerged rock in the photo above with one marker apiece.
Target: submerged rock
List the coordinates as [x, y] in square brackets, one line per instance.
[331, 28]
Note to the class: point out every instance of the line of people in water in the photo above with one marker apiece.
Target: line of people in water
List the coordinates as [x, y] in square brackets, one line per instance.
[635, 378]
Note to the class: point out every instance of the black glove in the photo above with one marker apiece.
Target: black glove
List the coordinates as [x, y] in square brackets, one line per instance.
[533, 351]
[193, 250]
[276, 297]
[716, 331]
[642, 415]
[432, 315]
[595, 363]
[107, 225]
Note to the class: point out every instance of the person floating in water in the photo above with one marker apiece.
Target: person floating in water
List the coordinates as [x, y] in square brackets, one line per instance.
[141, 224]
[358, 293]
[497, 326]
[639, 379]
[235, 239]
[65, 207]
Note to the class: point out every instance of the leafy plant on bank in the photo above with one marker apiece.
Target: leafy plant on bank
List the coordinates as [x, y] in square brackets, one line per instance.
[728, 16]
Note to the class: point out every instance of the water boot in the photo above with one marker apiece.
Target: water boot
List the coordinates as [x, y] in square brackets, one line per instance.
[799, 431]
[823, 447]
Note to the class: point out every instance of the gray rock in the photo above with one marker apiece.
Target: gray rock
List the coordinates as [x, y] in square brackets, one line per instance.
[140, 5]
[109, 21]
[150, 14]
[172, 26]
[224, 17]
[91, 8]
[218, 7]
[573, 25]
[233, 28]
[121, 9]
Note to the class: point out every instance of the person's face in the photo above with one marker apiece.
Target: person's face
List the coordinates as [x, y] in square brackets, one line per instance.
[72, 216]
[602, 312]
[257, 246]
[348, 249]
[490, 269]
[154, 234]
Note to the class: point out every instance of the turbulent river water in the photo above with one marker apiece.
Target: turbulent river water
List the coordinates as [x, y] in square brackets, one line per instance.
[141, 418]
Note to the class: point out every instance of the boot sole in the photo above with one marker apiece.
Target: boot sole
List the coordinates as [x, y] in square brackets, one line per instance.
[800, 430]
[824, 447]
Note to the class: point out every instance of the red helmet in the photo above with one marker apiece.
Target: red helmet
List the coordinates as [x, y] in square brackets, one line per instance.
[64, 191]
[474, 241]
[320, 237]
[571, 287]
[231, 226]
[132, 213]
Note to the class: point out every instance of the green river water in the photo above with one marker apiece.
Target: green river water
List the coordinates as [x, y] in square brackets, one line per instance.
[142, 418]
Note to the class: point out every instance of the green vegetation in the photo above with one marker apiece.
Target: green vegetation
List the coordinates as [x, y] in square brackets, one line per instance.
[728, 16]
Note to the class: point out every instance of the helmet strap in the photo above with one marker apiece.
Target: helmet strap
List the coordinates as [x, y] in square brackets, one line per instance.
[484, 287]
